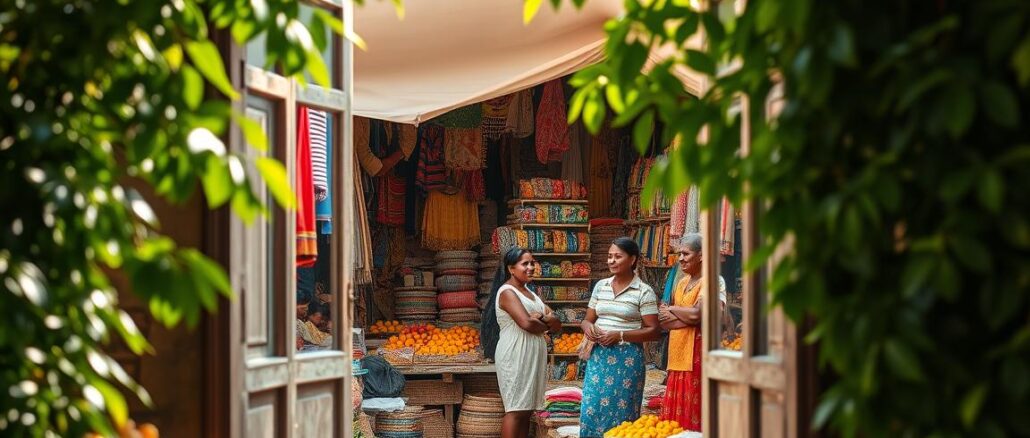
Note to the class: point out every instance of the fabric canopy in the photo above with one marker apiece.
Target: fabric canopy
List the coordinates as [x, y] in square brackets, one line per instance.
[445, 54]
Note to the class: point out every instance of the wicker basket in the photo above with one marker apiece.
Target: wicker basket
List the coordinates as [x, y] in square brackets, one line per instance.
[365, 425]
[479, 383]
[486, 403]
[433, 392]
[449, 265]
[457, 300]
[456, 283]
[458, 271]
[401, 424]
[434, 425]
[470, 314]
[455, 255]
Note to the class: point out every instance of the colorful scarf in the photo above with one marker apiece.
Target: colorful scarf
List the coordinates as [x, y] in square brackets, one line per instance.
[431, 173]
[520, 114]
[464, 149]
[552, 131]
[495, 115]
[465, 117]
[307, 238]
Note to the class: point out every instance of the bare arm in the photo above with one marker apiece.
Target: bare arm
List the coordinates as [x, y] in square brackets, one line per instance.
[511, 304]
[649, 331]
[690, 315]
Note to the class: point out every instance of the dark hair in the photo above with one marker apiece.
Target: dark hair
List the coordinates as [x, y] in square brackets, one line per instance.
[630, 247]
[489, 330]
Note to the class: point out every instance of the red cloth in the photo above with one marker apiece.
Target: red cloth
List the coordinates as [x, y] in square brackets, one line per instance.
[391, 199]
[683, 393]
[564, 398]
[307, 237]
[552, 130]
[600, 222]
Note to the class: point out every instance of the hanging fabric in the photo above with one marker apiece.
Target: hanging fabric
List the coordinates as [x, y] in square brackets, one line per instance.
[692, 223]
[472, 184]
[678, 215]
[495, 116]
[307, 243]
[451, 222]
[470, 116]
[363, 241]
[464, 149]
[600, 182]
[431, 173]
[552, 131]
[520, 121]
[727, 227]
[572, 160]
[321, 157]
[389, 187]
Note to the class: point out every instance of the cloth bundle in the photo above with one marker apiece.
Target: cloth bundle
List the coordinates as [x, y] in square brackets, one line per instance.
[552, 214]
[654, 243]
[566, 370]
[562, 402]
[564, 269]
[505, 238]
[564, 293]
[571, 315]
[546, 188]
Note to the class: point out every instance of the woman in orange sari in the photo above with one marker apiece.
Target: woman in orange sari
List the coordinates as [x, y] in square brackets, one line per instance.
[683, 320]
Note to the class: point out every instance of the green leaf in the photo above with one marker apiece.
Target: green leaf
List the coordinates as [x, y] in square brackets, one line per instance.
[208, 269]
[642, 131]
[958, 107]
[1000, 104]
[1021, 61]
[208, 60]
[827, 407]
[274, 175]
[173, 56]
[192, 87]
[971, 404]
[842, 46]
[317, 68]
[700, 62]
[593, 112]
[252, 132]
[902, 361]
[991, 190]
[114, 401]
[970, 252]
[916, 272]
[613, 92]
[217, 182]
[529, 10]
[576, 105]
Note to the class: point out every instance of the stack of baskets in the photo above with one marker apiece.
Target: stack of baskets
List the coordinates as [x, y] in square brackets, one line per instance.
[435, 425]
[406, 423]
[416, 304]
[488, 262]
[602, 233]
[481, 416]
[456, 281]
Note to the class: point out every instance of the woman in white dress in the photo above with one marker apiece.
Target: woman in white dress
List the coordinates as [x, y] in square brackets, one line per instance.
[514, 323]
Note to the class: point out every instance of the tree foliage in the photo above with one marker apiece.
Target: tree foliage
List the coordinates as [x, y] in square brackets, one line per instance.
[897, 168]
[97, 96]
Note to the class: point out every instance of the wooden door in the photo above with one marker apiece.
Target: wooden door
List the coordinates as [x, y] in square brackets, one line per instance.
[753, 391]
[283, 390]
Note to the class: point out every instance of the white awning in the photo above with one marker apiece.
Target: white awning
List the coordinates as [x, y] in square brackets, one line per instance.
[446, 54]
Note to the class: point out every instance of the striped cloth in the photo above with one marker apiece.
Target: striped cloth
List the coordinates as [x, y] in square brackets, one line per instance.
[318, 130]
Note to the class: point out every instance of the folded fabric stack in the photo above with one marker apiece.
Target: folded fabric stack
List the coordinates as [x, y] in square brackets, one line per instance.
[563, 293]
[546, 188]
[562, 402]
[567, 370]
[505, 238]
[488, 262]
[550, 214]
[654, 244]
[564, 269]
[602, 233]
[653, 397]
[456, 280]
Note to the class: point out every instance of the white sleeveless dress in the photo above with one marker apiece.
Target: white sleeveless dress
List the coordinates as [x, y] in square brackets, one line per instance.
[521, 358]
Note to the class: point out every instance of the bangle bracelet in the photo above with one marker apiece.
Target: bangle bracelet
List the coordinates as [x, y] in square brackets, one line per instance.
[622, 337]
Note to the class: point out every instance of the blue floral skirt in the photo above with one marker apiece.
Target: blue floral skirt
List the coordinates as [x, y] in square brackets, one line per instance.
[613, 389]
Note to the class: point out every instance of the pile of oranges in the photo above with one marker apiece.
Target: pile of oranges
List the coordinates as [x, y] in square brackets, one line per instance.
[735, 344]
[383, 327]
[647, 426]
[428, 339]
[567, 343]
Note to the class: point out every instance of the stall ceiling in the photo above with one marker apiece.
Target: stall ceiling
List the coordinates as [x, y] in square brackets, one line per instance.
[448, 53]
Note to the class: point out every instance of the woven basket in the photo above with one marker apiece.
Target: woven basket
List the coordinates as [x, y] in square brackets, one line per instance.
[434, 425]
[461, 315]
[365, 425]
[469, 272]
[402, 424]
[484, 403]
[455, 255]
[456, 283]
[457, 300]
[448, 265]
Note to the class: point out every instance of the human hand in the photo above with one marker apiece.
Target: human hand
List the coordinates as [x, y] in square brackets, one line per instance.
[609, 338]
[536, 315]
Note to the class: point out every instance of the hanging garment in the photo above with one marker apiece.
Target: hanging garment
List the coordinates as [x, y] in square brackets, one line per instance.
[600, 183]
[389, 187]
[678, 215]
[431, 173]
[495, 115]
[472, 184]
[464, 149]
[324, 205]
[693, 220]
[451, 222]
[572, 160]
[520, 121]
[552, 131]
[623, 166]
[727, 226]
[465, 117]
[307, 243]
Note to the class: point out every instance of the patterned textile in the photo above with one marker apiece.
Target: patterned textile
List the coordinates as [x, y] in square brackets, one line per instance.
[472, 183]
[391, 200]
[682, 401]
[431, 173]
[572, 160]
[464, 148]
[693, 221]
[324, 206]
[307, 237]
[678, 215]
[547, 188]
[495, 116]
[681, 353]
[450, 222]
[552, 131]
[465, 117]
[625, 311]
[613, 390]
[520, 114]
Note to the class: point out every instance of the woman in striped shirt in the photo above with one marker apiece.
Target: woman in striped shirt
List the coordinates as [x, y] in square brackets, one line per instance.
[622, 315]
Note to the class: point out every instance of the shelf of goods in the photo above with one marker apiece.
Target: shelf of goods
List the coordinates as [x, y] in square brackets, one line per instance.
[562, 254]
[547, 201]
[523, 225]
[560, 279]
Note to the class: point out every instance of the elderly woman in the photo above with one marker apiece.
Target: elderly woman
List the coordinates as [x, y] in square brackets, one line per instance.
[621, 316]
[683, 320]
